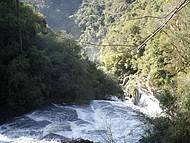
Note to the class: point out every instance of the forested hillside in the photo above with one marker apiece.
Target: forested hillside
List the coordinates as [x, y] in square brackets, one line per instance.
[86, 20]
[160, 65]
[58, 14]
[94, 17]
[39, 66]
[144, 44]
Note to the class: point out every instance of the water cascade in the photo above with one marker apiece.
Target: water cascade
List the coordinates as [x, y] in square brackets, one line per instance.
[101, 121]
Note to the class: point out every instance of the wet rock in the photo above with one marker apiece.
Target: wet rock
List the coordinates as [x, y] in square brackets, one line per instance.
[55, 137]
[136, 98]
[77, 141]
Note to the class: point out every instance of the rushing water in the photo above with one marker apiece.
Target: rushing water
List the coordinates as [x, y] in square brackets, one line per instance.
[101, 121]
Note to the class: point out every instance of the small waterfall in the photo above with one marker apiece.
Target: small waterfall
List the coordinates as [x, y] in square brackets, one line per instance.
[147, 104]
[143, 98]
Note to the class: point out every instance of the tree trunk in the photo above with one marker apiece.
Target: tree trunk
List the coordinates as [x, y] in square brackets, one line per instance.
[20, 31]
[17, 7]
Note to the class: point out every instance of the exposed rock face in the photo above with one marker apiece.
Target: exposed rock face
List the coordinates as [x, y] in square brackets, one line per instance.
[136, 98]
[54, 137]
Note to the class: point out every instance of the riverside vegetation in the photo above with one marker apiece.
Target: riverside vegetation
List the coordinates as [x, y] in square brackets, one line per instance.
[161, 65]
[47, 65]
[39, 66]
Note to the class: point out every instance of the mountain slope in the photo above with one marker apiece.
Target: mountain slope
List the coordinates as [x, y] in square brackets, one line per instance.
[39, 66]
[58, 14]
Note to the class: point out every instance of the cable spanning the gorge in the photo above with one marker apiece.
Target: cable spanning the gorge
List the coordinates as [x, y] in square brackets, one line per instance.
[168, 18]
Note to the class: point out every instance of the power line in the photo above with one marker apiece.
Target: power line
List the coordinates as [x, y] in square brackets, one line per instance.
[106, 45]
[155, 32]
[169, 16]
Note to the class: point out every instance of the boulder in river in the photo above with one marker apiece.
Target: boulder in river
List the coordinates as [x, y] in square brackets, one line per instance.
[78, 141]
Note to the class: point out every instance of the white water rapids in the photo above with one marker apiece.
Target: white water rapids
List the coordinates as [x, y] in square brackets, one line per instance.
[101, 121]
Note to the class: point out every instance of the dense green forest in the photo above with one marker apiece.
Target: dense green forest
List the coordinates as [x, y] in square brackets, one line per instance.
[142, 43]
[39, 66]
[161, 65]
[94, 17]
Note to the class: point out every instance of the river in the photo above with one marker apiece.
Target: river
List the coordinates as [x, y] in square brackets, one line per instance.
[100, 121]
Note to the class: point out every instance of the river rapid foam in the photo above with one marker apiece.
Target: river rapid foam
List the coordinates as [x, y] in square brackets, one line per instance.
[100, 121]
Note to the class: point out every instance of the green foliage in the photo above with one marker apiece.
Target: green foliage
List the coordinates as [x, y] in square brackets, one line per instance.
[159, 131]
[58, 14]
[39, 66]
[131, 33]
[162, 65]
[95, 17]
[166, 63]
